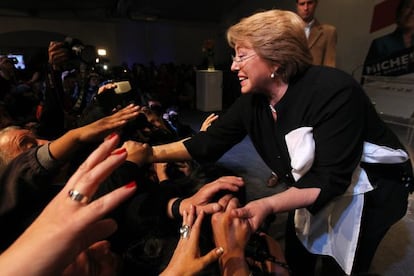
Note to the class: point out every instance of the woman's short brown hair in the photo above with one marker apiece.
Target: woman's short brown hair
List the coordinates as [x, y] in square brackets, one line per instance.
[277, 36]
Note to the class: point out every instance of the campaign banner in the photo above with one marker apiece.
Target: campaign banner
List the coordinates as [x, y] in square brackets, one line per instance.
[398, 63]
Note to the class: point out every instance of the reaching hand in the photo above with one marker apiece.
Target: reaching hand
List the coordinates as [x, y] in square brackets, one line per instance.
[255, 212]
[106, 87]
[202, 199]
[70, 223]
[208, 121]
[101, 128]
[186, 259]
[137, 152]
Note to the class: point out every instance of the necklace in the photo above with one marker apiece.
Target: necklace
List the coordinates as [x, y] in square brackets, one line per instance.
[274, 114]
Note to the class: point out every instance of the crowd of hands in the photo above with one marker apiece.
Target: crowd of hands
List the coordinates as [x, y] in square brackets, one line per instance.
[66, 229]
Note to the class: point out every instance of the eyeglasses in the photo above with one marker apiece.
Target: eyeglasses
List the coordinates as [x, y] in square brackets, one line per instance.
[241, 59]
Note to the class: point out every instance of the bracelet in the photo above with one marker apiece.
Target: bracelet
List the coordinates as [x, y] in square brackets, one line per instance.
[175, 208]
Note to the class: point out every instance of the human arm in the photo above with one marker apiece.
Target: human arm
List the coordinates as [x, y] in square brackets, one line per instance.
[66, 227]
[206, 145]
[186, 259]
[257, 210]
[232, 234]
[277, 266]
[65, 146]
[175, 151]
[161, 171]
[52, 114]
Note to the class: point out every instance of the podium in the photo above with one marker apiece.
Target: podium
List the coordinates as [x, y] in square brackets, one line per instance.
[209, 90]
[393, 98]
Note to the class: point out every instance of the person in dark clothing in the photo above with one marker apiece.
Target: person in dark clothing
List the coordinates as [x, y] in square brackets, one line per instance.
[348, 175]
[33, 170]
[398, 40]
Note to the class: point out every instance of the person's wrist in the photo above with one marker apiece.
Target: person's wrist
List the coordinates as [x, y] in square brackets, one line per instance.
[234, 262]
[175, 208]
[227, 254]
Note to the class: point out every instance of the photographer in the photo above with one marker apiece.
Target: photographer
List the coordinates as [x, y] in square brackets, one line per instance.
[7, 77]
[59, 112]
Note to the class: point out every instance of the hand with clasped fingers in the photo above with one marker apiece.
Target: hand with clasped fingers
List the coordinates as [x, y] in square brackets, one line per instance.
[70, 223]
[232, 234]
[202, 200]
[186, 259]
[255, 212]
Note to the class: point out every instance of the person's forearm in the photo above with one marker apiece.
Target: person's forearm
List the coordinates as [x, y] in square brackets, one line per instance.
[292, 198]
[170, 152]
[65, 146]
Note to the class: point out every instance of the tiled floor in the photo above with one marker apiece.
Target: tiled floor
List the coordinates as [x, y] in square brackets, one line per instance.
[395, 256]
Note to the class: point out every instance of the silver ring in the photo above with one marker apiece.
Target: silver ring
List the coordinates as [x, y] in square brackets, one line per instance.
[77, 196]
[185, 231]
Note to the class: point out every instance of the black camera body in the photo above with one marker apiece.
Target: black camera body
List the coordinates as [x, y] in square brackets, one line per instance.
[80, 52]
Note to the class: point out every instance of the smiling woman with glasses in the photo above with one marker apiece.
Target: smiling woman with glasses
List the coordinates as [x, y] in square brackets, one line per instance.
[319, 133]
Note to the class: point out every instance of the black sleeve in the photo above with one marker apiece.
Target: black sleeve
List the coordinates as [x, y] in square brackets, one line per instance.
[226, 132]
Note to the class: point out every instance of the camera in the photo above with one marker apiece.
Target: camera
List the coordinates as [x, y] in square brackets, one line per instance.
[79, 51]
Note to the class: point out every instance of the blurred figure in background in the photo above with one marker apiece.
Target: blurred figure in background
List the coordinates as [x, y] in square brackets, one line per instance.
[322, 38]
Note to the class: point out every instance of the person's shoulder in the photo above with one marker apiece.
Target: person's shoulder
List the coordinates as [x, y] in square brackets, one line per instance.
[326, 70]
[396, 34]
[324, 26]
[329, 76]
[328, 27]
[327, 83]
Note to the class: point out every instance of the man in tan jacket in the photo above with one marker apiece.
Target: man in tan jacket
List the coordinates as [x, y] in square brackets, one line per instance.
[322, 38]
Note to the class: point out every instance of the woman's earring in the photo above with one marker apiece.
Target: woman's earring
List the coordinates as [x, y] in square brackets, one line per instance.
[272, 76]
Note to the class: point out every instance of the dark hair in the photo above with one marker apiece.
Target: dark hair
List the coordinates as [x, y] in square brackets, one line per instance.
[400, 8]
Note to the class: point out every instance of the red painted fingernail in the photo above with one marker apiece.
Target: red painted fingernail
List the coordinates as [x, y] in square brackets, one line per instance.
[130, 185]
[119, 151]
[110, 136]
